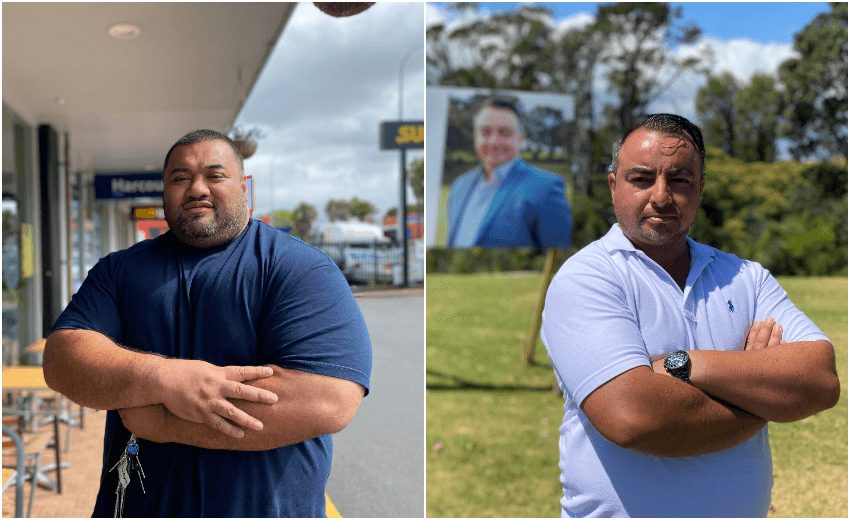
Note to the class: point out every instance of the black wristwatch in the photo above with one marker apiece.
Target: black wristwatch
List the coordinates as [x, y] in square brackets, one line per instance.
[678, 364]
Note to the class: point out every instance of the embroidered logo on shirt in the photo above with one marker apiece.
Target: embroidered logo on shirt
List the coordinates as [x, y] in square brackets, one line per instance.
[731, 307]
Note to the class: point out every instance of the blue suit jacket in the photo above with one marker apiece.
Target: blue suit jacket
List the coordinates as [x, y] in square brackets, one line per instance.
[529, 210]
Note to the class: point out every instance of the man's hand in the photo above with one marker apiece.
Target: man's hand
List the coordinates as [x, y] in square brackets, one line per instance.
[764, 334]
[309, 405]
[200, 392]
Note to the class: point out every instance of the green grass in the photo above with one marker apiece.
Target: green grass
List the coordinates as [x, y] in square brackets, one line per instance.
[492, 421]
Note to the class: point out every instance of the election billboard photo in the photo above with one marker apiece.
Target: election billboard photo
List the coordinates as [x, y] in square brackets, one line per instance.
[499, 168]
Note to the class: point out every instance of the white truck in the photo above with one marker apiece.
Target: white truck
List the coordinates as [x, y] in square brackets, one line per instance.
[365, 254]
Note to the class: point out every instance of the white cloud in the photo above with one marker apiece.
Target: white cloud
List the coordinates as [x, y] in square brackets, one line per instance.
[572, 22]
[745, 58]
[325, 89]
[434, 15]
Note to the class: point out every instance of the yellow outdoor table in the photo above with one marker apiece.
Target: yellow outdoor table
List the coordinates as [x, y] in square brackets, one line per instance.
[38, 346]
[23, 378]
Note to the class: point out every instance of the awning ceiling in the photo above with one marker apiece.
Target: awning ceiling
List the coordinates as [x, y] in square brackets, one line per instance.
[124, 102]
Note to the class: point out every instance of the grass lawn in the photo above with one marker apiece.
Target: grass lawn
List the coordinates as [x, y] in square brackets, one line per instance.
[492, 422]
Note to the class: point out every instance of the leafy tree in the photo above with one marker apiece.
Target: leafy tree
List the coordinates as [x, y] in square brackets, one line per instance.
[362, 210]
[574, 62]
[281, 218]
[338, 210]
[716, 109]
[815, 86]
[303, 217]
[639, 39]
[502, 51]
[411, 209]
[758, 107]
[416, 178]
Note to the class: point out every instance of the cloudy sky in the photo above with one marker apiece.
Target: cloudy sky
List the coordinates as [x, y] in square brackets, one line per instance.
[746, 37]
[325, 89]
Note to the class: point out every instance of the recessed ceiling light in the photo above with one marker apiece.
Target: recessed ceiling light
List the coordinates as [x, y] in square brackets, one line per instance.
[60, 101]
[124, 31]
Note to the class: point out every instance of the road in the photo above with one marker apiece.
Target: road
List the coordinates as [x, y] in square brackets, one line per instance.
[379, 459]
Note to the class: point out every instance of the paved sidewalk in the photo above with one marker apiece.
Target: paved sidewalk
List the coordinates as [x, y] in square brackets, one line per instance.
[414, 291]
[80, 482]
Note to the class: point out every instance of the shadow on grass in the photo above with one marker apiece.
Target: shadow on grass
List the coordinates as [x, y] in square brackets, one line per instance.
[465, 384]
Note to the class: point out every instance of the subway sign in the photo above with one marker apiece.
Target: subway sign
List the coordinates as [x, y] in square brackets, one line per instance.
[128, 186]
[402, 135]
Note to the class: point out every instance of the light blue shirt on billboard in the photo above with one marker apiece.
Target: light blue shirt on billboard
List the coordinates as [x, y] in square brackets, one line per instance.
[479, 199]
[608, 310]
[527, 208]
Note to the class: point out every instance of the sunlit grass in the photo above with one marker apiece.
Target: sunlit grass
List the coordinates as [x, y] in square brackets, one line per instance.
[492, 421]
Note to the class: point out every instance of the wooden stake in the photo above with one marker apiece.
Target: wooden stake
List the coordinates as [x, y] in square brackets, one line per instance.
[548, 273]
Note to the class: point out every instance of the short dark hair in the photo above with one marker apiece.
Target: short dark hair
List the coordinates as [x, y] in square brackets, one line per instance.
[197, 136]
[504, 104]
[665, 124]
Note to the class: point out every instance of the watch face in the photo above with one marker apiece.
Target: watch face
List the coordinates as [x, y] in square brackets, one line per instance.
[676, 360]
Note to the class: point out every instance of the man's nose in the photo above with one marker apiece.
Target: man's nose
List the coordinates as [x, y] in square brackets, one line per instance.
[198, 188]
[660, 195]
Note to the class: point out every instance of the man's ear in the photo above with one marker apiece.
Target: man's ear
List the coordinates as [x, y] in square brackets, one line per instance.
[612, 183]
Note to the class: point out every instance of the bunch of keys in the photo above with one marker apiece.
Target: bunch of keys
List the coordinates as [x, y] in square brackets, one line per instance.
[128, 462]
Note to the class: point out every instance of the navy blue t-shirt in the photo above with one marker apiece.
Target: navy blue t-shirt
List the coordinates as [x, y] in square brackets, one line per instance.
[263, 298]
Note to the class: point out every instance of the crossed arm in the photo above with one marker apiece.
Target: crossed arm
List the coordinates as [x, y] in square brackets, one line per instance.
[731, 398]
[194, 402]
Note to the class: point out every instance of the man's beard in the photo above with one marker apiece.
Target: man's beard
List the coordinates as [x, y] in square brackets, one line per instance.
[202, 231]
[651, 237]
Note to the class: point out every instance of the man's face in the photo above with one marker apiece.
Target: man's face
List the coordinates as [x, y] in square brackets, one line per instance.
[657, 187]
[205, 199]
[497, 136]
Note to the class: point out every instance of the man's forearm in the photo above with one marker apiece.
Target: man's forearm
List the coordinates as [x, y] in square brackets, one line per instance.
[782, 384]
[659, 415]
[695, 426]
[309, 405]
[92, 370]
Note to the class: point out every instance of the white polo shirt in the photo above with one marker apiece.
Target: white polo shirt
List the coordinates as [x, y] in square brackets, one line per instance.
[608, 310]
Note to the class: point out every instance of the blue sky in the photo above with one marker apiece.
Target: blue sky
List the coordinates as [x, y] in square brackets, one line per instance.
[762, 22]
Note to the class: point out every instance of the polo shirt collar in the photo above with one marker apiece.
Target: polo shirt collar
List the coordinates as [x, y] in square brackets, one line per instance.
[701, 254]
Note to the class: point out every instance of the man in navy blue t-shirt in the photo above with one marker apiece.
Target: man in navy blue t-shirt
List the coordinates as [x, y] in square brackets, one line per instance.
[228, 348]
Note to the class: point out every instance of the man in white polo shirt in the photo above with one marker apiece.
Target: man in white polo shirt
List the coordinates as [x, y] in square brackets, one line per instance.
[672, 355]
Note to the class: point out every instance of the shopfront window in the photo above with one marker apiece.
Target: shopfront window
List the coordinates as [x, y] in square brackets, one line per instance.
[17, 241]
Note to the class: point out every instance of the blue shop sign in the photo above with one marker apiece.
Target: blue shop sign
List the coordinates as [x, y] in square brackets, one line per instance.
[128, 186]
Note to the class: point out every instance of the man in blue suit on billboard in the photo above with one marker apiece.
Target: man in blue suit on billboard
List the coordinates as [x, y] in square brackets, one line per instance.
[505, 202]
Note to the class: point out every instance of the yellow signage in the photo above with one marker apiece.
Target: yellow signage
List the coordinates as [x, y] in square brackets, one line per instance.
[147, 213]
[27, 260]
[410, 134]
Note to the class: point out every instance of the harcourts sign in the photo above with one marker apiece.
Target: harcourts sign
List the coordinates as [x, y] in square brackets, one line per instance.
[128, 186]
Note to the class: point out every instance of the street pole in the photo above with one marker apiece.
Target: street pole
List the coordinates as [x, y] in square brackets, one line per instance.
[402, 210]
